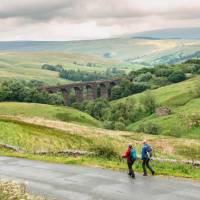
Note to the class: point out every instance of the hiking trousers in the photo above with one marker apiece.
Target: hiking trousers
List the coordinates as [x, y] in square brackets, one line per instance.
[130, 168]
[145, 163]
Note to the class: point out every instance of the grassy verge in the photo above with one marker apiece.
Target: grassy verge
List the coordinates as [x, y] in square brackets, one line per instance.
[12, 191]
[164, 168]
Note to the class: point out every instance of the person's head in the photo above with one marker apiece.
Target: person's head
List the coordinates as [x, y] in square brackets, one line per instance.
[130, 146]
[144, 142]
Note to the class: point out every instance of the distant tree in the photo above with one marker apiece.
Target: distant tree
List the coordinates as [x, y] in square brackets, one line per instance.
[95, 108]
[143, 71]
[177, 77]
[119, 126]
[56, 68]
[149, 103]
[22, 91]
[125, 112]
[116, 92]
[138, 87]
[144, 77]
[109, 125]
[163, 72]
[193, 61]
[126, 87]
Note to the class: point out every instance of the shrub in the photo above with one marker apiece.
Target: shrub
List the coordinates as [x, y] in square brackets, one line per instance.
[163, 72]
[22, 91]
[162, 81]
[105, 150]
[193, 61]
[56, 68]
[12, 191]
[177, 77]
[149, 103]
[139, 87]
[119, 126]
[196, 91]
[124, 112]
[149, 128]
[108, 125]
[95, 108]
[194, 120]
[116, 92]
[145, 77]
[177, 130]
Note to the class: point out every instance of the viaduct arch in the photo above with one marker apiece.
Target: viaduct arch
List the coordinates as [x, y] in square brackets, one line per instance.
[90, 87]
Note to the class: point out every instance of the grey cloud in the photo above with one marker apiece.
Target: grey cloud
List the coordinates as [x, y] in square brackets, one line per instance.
[84, 10]
[33, 9]
[56, 19]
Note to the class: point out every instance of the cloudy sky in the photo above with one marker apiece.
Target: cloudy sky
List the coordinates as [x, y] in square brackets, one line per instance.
[89, 19]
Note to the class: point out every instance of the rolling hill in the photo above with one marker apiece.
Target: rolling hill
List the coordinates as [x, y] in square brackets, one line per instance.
[27, 65]
[44, 139]
[23, 59]
[184, 105]
[173, 95]
[173, 33]
[58, 113]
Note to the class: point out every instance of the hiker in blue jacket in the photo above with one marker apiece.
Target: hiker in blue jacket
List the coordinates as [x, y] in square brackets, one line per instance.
[146, 157]
[131, 157]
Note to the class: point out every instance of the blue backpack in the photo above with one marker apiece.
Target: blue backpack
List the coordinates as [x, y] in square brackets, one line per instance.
[133, 154]
[149, 152]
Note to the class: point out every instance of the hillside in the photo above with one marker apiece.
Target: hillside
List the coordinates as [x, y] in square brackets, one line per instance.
[173, 33]
[27, 65]
[23, 59]
[43, 111]
[177, 124]
[126, 50]
[185, 107]
[33, 137]
[172, 95]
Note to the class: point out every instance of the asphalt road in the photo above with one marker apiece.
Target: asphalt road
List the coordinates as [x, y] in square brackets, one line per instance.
[67, 182]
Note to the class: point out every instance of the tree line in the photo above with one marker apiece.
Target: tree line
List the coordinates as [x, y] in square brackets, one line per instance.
[81, 75]
[23, 91]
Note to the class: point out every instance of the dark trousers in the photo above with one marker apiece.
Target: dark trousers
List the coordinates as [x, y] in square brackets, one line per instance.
[145, 163]
[130, 168]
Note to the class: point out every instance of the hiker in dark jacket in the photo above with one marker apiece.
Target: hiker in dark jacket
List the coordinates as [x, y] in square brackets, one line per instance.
[130, 160]
[146, 155]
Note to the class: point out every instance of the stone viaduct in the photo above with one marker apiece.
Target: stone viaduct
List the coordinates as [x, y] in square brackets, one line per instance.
[84, 90]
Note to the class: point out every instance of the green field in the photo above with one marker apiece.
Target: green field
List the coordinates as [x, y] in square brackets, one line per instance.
[35, 128]
[50, 112]
[185, 108]
[23, 62]
[32, 138]
[172, 95]
[176, 124]
[27, 65]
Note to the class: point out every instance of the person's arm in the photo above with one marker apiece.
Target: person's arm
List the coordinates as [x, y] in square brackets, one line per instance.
[126, 154]
[143, 153]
